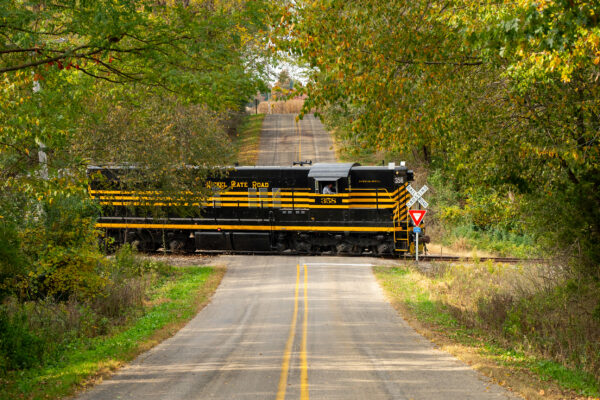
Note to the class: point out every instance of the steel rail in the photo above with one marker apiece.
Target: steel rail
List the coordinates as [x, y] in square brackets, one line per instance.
[423, 258]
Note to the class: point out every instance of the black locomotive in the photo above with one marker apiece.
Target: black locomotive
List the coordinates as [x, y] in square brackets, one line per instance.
[267, 209]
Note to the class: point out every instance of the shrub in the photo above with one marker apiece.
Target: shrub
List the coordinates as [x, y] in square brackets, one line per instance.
[60, 246]
[126, 263]
[128, 278]
[120, 296]
[13, 264]
[65, 272]
[34, 332]
[19, 346]
[484, 219]
[539, 309]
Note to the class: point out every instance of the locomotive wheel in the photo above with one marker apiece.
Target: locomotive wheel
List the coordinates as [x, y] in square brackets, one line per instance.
[303, 247]
[181, 245]
[383, 249]
[147, 242]
[344, 248]
[133, 239]
[177, 246]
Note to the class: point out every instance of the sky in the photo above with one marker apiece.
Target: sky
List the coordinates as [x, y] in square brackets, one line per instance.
[298, 73]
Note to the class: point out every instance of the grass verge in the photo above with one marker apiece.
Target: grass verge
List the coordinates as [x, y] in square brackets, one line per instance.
[173, 302]
[465, 238]
[420, 300]
[247, 139]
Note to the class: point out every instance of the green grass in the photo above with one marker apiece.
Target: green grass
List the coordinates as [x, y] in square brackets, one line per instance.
[176, 301]
[578, 381]
[495, 240]
[247, 139]
[404, 285]
[397, 282]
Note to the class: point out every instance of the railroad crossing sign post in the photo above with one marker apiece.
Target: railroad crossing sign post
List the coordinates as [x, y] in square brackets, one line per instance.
[417, 230]
[417, 215]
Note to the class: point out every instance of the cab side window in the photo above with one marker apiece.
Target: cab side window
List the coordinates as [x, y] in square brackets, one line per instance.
[328, 187]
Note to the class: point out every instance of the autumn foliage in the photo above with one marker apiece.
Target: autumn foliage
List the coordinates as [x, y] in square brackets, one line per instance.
[147, 83]
[144, 83]
[501, 96]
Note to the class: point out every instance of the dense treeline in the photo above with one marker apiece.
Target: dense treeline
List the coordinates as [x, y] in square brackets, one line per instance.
[142, 82]
[154, 84]
[501, 97]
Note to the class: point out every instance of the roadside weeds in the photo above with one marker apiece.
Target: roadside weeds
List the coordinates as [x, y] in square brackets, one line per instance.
[411, 294]
[89, 362]
[247, 139]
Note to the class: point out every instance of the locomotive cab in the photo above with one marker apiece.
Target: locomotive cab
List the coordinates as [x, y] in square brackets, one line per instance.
[321, 175]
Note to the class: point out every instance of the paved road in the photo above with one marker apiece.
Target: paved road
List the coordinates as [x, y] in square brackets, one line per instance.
[283, 141]
[297, 328]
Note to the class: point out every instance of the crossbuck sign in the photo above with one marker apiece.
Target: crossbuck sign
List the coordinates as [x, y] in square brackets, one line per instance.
[417, 196]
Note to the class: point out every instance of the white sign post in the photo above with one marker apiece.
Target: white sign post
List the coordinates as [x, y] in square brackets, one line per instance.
[417, 230]
[417, 215]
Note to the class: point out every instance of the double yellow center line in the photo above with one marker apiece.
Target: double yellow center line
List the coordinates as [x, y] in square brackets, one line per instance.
[303, 360]
[285, 366]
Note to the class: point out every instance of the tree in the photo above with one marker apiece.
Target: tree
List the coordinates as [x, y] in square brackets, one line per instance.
[130, 75]
[200, 48]
[500, 95]
[283, 80]
[196, 52]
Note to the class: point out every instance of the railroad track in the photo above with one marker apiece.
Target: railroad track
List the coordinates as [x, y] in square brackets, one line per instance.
[508, 260]
[426, 257]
